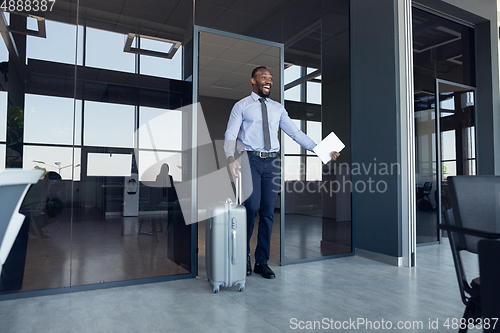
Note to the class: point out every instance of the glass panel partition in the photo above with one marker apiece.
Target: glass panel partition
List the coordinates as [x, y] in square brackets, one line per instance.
[93, 100]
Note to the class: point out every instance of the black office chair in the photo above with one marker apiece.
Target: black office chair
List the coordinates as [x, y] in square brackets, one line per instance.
[489, 270]
[474, 215]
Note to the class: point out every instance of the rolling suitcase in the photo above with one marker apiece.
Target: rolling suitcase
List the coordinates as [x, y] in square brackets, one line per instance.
[226, 243]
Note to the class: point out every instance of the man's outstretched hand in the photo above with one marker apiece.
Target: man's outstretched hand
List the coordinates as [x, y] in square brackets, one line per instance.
[334, 155]
[233, 165]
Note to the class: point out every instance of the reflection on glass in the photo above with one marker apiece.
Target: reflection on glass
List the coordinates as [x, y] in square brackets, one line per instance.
[49, 119]
[472, 167]
[314, 169]
[447, 104]
[448, 145]
[293, 94]
[457, 136]
[160, 129]
[432, 35]
[317, 221]
[48, 207]
[76, 167]
[313, 93]
[151, 162]
[77, 232]
[471, 135]
[314, 131]
[3, 116]
[4, 52]
[291, 74]
[161, 67]
[426, 183]
[49, 48]
[449, 169]
[313, 88]
[47, 158]
[114, 58]
[290, 146]
[109, 164]
[109, 125]
[294, 169]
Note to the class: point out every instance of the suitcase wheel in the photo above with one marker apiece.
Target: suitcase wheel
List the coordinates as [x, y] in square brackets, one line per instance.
[241, 285]
[217, 286]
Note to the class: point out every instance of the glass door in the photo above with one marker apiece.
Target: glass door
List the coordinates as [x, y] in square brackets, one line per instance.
[222, 72]
[444, 76]
[315, 197]
[452, 152]
[457, 140]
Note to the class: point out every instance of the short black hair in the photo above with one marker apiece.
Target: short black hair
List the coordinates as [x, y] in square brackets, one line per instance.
[256, 69]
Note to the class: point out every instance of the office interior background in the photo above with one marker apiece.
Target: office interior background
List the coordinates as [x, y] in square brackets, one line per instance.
[95, 92]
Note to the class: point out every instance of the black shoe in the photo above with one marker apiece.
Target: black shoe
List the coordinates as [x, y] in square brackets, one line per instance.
[264, 270]
[249, 266]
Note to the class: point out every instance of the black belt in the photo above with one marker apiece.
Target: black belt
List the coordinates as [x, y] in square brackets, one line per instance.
[263, 154]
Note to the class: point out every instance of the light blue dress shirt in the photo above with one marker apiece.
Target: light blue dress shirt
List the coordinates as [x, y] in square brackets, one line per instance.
[245, 126]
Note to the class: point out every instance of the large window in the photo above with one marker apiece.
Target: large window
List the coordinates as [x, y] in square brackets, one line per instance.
[302, 164]
[49, 48]
[160, 141]
[108, 125]
[49, 119]
[157, 66]
[104, 49]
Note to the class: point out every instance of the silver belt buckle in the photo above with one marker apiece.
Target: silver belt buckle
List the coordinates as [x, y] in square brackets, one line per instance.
[261, 155]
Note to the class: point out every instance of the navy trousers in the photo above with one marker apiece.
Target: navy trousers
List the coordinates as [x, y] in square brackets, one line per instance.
[266, 184]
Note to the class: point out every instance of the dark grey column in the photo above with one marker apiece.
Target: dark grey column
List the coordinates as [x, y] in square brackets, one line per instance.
[487, 106]
[375, 129]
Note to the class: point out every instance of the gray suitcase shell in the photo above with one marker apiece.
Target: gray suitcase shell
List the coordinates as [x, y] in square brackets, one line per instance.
[226, 245]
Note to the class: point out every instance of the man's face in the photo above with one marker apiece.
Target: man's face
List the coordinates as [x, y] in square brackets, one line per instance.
[262, 82]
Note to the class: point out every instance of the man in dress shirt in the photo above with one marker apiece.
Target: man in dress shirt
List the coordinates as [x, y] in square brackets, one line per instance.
[246, 129]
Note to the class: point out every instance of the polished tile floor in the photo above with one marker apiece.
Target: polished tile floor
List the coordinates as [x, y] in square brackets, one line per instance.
[304, 236]
[94, 249]
[346, 289]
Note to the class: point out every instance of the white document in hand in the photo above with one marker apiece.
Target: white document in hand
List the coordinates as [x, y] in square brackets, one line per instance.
[329, 144]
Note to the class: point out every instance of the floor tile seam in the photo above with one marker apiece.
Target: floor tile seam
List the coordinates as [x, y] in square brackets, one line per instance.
[254, 312]
[142, 266]
[250, 309]
[244, 306]
[330, 264]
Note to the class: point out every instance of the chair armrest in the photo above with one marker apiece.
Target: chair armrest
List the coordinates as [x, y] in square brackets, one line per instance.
[468, 231]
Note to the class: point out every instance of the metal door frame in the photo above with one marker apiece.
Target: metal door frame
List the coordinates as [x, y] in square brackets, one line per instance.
[439, 165]
[194, 167]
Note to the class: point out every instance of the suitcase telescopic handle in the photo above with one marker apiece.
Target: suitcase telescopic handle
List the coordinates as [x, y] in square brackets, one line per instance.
[239, 187]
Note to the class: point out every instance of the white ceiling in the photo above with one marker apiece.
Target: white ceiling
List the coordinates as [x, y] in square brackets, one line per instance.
[226, 66]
